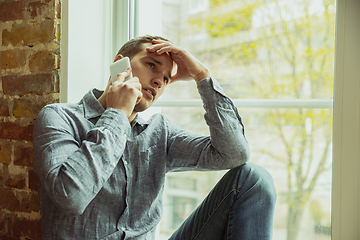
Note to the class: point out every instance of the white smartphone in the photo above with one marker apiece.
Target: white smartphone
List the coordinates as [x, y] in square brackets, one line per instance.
[119, 67]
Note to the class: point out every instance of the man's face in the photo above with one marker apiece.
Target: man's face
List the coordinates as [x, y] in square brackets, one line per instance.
[154, 73]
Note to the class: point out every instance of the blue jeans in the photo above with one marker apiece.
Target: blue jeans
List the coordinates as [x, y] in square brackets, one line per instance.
[241, 206]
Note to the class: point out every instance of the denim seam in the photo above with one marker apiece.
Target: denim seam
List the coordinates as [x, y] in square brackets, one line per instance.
[232, 190]
[257, 182]
[228, 226]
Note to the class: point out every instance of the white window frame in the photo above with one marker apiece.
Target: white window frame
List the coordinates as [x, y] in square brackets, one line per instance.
[346, 135]
[346, 128]
[80, 68]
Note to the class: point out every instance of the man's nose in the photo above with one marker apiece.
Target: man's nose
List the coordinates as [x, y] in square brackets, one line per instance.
[158, 81]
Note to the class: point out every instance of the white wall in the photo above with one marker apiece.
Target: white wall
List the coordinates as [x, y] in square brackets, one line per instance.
[89, 46]
[92, 33]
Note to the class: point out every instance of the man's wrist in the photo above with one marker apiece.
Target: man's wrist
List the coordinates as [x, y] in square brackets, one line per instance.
[202, 75]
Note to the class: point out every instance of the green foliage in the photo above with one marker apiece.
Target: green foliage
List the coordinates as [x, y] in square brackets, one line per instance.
[218, 25]
[316, 211]
[218, 3]
[245, 52]
[235, 21]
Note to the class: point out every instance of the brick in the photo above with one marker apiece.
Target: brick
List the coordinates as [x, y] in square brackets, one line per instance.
[3, 174]
[30, 107]
[23, 108]
[29, 35]
[33, 180]
[24, 156]
[37, 8]
[30, 202]
[8, 200]
[4, 107]
[27, 228]
[12, 59]
[2, 177]
[16, 131]
[5, 153]
[10, 11]
[42, 62]
[17, 181]
[38, 84]
[5, 225]
[8, 238]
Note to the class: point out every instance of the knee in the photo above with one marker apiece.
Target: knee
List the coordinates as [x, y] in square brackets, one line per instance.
[255, 180]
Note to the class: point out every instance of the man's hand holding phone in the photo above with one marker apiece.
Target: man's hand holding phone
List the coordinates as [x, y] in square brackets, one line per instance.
[124, 94]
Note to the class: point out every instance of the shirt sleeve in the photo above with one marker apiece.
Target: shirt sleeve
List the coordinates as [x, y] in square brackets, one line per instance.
[72, 170]
[225, 148]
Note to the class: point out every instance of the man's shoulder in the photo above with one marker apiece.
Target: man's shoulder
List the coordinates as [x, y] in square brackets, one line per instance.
[61, 107]
[157, 118]
[59, 110]
[160, 120]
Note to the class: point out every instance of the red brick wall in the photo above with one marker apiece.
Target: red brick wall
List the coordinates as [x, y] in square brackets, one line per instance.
[29, 79]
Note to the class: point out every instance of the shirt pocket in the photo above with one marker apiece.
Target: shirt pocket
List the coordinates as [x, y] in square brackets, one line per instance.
[151, 161]
[149, 172]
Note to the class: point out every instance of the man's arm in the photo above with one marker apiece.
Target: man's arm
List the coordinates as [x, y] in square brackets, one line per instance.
[227, 146]
[72, 170]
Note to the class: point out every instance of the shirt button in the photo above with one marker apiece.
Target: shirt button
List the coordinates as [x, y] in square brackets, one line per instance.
[113, 164]
[122, 229]
[125, 136]
[125, 162]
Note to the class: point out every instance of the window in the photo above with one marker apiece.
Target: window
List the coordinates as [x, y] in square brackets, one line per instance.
[90, 40]
[275, 59]
[345, 208]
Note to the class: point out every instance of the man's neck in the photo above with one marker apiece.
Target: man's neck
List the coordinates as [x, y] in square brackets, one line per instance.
[132, 117]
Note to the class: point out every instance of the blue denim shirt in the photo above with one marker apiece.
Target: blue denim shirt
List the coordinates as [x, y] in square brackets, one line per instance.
[102, 178]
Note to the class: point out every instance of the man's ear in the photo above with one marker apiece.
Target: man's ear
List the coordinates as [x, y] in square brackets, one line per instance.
[118, 57]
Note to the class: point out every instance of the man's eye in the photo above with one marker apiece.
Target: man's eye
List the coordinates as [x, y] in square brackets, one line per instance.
[152, 65]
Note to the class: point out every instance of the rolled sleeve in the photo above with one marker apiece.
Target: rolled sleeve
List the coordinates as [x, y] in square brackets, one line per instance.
[226, 128]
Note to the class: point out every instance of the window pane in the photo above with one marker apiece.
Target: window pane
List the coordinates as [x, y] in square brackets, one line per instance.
[269, 50]
[294, 145]
[255, 49]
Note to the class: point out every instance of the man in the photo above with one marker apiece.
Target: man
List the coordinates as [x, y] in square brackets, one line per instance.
[102, 168]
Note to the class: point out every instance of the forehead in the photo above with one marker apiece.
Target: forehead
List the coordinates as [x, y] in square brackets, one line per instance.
[163, 59]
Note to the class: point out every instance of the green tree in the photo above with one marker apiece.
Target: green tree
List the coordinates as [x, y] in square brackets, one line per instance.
[300, 38]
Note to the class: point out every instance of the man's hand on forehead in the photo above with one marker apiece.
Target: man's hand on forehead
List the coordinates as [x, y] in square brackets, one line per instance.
[188, 67]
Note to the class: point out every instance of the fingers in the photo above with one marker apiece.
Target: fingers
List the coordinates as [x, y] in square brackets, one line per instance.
[161, 47]
[189, 67]
[132, 83]
[122, 76]
[124, 95]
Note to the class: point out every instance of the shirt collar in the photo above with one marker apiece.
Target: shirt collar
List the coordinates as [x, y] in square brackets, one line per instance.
[140, 121]
[92, 107]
